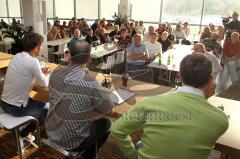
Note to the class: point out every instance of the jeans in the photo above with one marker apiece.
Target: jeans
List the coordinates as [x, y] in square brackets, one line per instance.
[33, 108]
[99, 133]
[233, 69]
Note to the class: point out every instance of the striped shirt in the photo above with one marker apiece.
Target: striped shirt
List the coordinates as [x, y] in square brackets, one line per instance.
[74, 96]
[153, 48]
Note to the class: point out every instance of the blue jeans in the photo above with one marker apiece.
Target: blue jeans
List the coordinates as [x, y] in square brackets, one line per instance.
[33, 108]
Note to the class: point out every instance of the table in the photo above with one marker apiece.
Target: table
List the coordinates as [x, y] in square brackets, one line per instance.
[6, 43]
[176, 55]
[58, 42]
[102, 50]
[5, 59]
[142, 89]
[229, 142]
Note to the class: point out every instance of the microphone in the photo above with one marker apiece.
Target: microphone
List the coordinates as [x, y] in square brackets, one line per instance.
[106, 82]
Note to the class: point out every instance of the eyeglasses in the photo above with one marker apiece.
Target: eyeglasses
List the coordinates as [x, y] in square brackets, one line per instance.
[221, 107]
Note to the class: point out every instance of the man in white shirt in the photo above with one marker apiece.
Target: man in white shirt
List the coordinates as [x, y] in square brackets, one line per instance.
[200, 48]
[179, 34]
[22, 73]
[153, 46]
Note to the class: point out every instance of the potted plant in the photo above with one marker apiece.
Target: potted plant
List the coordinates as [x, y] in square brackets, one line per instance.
[118, 19]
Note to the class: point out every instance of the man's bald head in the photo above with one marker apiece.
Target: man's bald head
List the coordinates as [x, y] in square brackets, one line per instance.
[80, 52]
[199, 48]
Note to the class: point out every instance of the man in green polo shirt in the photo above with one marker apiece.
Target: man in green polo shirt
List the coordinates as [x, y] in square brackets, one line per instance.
[176, 125]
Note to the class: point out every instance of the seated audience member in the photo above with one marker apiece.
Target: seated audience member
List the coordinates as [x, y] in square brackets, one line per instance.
[137, 56]
[211, 44]
[212, 27]
[78, 106]
[53, 34]
[220, 32]
[136, 25]
[115, 32]
[171, 37]
[186, 29]
[171, 119]
[132, 30]
[231, 54]
[64, 25]
[179, 33]
[104, 38]
[124, 40]
[95, 25]
[234, 25]
[74, 27]
[84, 26]
[161, 28]
[3, 23]
[56, 22]
[200, 49]
[64, 33]
[103, 24]
[147, 35]
[153, 46]
[22, 73]
[90, 38]
[165, 42]
[98, 30]
[205, 34]
[141, 28]
[77, 36]
[109, 25]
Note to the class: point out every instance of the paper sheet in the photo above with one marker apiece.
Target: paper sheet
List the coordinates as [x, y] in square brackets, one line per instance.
[120, 95]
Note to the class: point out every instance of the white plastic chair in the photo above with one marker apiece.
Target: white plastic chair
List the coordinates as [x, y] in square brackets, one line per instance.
[12, 123]
[59, 53]
[119, 57]
[109, 63]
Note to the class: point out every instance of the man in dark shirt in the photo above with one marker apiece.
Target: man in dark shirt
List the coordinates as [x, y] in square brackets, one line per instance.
[166, 43]
[115, 32]
[95, 25]
[90, 38]
[234, 25]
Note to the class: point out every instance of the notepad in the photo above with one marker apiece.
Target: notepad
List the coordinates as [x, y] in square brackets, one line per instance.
[120, 95]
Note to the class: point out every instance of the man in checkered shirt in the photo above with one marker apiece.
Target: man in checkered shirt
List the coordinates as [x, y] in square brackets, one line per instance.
[78, 106]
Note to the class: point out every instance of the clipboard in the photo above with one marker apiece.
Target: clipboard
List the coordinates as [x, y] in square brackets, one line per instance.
[119, 96]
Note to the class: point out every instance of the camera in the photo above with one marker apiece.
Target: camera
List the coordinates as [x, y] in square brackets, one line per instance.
[225, 20]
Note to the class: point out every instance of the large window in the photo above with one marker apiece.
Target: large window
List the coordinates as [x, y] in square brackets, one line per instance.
[3, 9]
[108, 7]
[145, 10]
[64, 8]
[175, 11]
[87, 9]
[216, 9]
[49, 8]
[14, 8]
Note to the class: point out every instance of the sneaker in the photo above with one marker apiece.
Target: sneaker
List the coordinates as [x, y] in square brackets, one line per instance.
[30, 137]
[24, 144]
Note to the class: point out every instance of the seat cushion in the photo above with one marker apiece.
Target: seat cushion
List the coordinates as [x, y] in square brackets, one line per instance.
[9, 122]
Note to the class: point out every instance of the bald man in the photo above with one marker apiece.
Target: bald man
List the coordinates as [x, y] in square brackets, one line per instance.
[231, 54]
[212, 44]
[199, 48]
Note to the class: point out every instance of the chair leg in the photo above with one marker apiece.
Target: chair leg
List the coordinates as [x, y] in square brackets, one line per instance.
[18, 143]
[38, 134]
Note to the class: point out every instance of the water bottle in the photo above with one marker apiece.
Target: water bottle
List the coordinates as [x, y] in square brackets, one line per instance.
[169, 59]
[160, 59]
